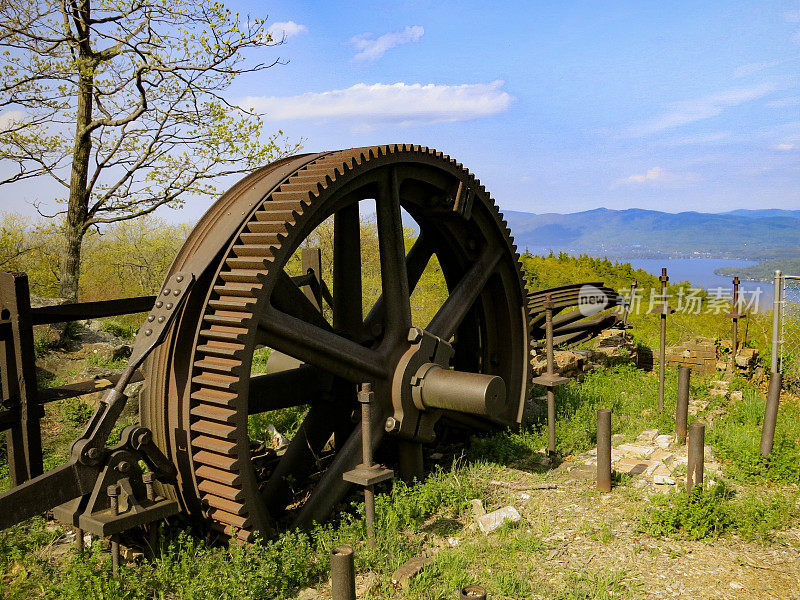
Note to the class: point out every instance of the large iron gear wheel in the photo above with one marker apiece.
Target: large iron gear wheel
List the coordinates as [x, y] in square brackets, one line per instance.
[199, 389]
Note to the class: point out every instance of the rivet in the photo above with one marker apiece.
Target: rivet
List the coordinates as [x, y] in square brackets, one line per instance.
[148, 332]
[169, 305]
[166, 291]
[177, 293]
[159, 304]
[150, 318]
[161, 319]
[179, 278]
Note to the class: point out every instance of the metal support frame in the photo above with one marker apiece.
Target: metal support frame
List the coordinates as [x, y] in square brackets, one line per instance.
[662, 309]
[550, 380]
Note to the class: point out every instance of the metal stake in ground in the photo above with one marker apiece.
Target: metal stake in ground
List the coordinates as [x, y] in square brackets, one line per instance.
[735, 315]
[473, 592]
[343, 574]
[682, 405]
[604, 450]
[694, 475]
[367, 474]
[550, 380]
[628, 306]
[776, 321]
[113, 495]
[771, 414]
[662, 309]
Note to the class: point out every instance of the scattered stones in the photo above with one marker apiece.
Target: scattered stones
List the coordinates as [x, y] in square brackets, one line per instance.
[717, 393]
[664, 441]
[647, 436]
[737, 396]
[495, 519]
[412, 567]
[663, 480]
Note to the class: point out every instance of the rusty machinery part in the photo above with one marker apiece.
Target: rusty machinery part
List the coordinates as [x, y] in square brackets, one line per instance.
[199, 391]
[595, 302]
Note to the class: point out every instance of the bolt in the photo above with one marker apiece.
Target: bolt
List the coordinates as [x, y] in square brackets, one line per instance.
[159, 304]
[179, 278]
[166, 291]
[151, 318]
[148, 332]
[93, 453]
[161, 319]
[176, 293]
[124, 466]
[113, 496]
[169, 305]
[147, 478]
[391, 425]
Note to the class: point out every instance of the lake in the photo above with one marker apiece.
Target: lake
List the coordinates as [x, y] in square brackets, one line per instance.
[700, 271]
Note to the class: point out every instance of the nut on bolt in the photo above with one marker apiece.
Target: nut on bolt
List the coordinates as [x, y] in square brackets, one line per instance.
[391, 425]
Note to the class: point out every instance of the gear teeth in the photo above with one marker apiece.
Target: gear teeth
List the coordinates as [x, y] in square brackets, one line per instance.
[218, 438]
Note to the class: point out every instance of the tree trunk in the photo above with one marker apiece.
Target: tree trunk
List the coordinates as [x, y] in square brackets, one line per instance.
[78, 205]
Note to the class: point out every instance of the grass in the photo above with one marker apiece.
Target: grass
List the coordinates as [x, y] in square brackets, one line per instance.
[717, 510]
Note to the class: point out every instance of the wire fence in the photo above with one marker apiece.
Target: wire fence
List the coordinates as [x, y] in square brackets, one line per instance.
[790, 332]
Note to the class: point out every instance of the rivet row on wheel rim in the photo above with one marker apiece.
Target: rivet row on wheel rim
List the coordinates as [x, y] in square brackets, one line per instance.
[196, 398]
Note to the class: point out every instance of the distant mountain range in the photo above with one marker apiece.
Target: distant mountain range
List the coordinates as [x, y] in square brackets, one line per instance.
[749, 234]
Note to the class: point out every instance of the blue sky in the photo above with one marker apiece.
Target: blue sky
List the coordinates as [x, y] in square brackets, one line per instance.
[555, 106]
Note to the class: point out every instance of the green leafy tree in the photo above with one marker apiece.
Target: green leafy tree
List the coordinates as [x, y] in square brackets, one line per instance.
[122, 104]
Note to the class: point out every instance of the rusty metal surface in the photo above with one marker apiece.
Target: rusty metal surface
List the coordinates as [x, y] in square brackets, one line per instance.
[244, 300]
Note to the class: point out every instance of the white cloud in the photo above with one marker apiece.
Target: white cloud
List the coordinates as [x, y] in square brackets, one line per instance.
[689, 111]
[396, 103]
[372, 49]
[10, 118]
[784, 147]
[651, 175]
[285, 30]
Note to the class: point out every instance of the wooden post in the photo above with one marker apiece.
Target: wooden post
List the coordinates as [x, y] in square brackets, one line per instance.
[18, 359]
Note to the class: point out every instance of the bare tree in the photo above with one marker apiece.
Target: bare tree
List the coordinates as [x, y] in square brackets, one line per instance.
[122, 104]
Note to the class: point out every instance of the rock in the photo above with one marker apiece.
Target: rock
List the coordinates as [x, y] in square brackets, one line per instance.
[664, 441]
[477, 507]
[715, 393]
[747, 358]
[278, 440]
[495, 519]
[663, 480]
[737, 396]
[647, 436]
[412, 567]
[636, 450]
[720, 384]
[308, 594]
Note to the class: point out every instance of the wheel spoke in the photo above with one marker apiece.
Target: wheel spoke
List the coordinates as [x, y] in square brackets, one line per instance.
[294, 387]
[320, 347]
[446, 321]
[394, 278]
[290, 299]
[299, 459]
[417, 259]
[331, 488]
[347, 316]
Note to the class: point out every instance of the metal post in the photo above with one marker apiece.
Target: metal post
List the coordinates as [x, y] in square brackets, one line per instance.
[551, 398]
[694, 475]
[629, 305]
[735, 319]
[604, 450]
[662, 349]
[776, 322]
[473, 592]
[343, 574]
[682, 406]
[113, 495]
[79, 539]
[365, 397]
[771, 414]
